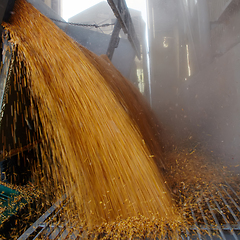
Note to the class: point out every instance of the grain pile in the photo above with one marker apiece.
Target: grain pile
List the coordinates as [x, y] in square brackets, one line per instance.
[92, 147]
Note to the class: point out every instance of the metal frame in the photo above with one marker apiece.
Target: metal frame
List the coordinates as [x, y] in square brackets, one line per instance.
[124, 20]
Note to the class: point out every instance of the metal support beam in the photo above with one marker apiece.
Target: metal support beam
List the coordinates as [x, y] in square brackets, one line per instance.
[114, 41]
[121, 12]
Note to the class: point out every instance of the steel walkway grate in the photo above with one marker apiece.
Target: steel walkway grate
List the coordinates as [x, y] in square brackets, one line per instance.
[213, 214]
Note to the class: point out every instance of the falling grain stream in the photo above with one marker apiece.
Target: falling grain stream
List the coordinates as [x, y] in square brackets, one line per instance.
[98, 147]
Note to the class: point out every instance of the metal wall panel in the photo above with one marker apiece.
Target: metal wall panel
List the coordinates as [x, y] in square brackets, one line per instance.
[216, 8]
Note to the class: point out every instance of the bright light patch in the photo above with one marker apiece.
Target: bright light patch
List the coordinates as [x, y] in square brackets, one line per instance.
[73, 7]
[188, 61]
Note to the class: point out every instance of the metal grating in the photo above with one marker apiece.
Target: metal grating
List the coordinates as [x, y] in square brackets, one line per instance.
[213, 214]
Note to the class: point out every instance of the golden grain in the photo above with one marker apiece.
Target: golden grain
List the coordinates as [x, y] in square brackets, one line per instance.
[88, 138]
